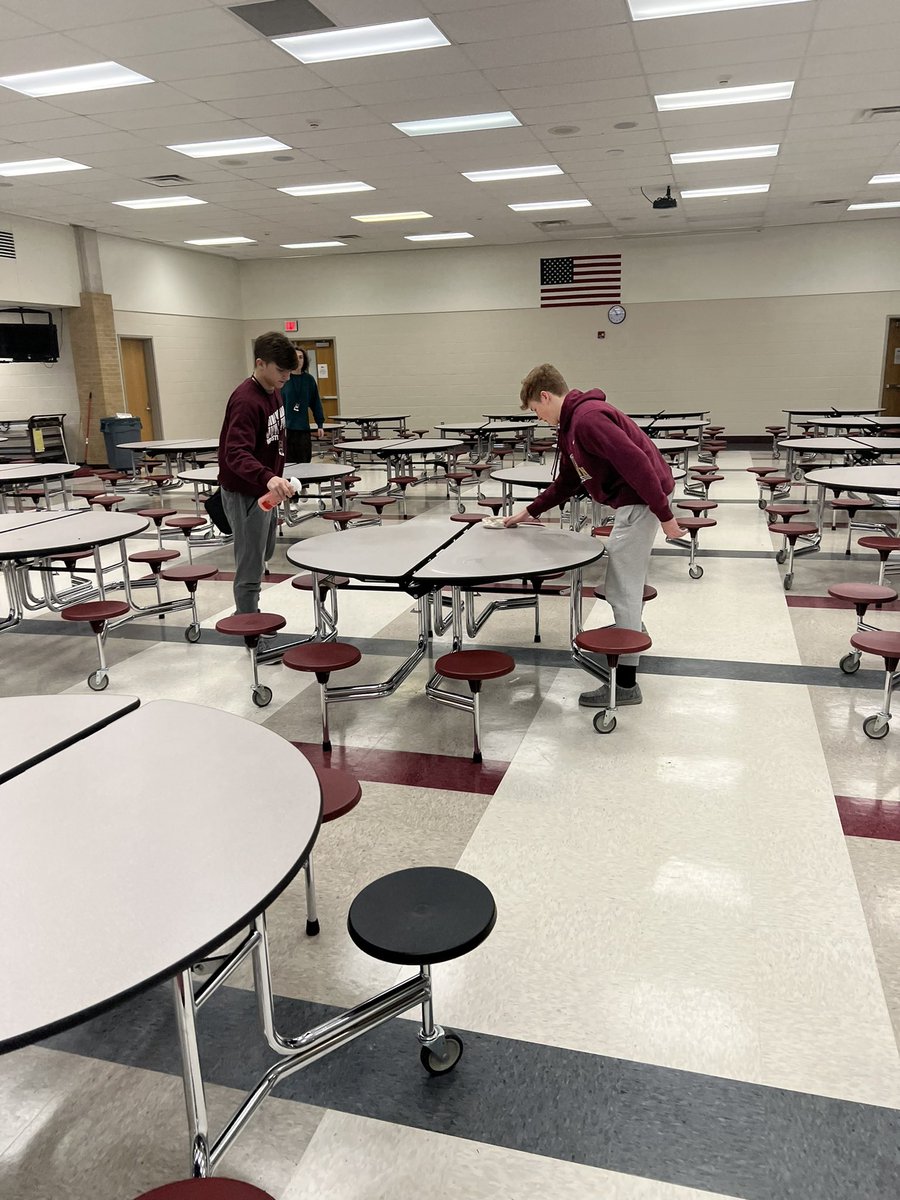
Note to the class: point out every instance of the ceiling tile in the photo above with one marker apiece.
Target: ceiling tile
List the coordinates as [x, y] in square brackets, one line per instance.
[153, 35]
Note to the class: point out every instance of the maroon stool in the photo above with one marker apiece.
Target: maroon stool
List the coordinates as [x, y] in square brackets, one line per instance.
[613, 643]
[712, 449]
[458, 478]
[106, 500]
[326, 613]
[760, 472]
[187, 525]
[885, 547]
[304, 583]
[601, 531]
[157, 516]
[321, 658]
[861, 596]
[887, 646]
[190, 576]
[420, 433]
[692, 527]
[790, 532]
[851, 506]
[786, 511]
[776, 485]
[154, 559]
[703, 469]
[98, 614]
[650, 593]
[341, 793]
[467, 518]
[501, 452]
[206, 1189]
[341, 517]
[474, 666]
[251, 627]
[403, 482]
[70, 557]
[379, 503]
[697, 507]
[706, 481]
[494, 503]
[776, 432]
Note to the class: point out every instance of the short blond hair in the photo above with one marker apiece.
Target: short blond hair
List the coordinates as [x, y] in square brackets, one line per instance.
[544, 378]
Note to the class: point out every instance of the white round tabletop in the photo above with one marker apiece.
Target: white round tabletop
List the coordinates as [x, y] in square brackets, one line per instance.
[305, 472]
[27, 472]
[836, 410]
[522, 552]
[37, 535]
[174, 446]
[674, 445]
[387, 553]
[400, 445]
[108, 889]
[878, 480]
[670, 422]
[842, 445]
[540, 475]
[671, 412]
[372, 418]
[508, 416]
[34, 727]
[873, 423]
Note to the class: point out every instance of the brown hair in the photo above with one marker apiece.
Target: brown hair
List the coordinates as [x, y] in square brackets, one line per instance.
[544, 378]
[274, 348]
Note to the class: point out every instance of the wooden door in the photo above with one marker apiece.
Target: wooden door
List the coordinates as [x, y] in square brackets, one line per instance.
[890, 395]
[136, 380]
[323, 364]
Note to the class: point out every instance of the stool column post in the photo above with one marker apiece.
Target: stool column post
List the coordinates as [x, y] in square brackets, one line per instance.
[475, 685]
[99, 628]
[428, 1030]
[322, 678]
[194, 1095]
[309, 883]
[456, 594]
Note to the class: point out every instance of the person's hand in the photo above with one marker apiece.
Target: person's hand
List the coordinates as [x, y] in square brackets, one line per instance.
[673, 530]
[320, 433]
[517, 518]
[281, 489]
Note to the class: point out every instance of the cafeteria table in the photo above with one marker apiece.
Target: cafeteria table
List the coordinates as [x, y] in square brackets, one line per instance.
[866, 424]
[538, 475]
[34, 727]
[486, 433]
[369, 422]
[396, 454]
[13, 475]
[315, 473]
[656, 425]
[848, 448]
[801, 416]
[176, 451]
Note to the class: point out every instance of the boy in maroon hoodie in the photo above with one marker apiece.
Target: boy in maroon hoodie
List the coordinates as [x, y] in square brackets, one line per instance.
[251, 459]
[604, 452]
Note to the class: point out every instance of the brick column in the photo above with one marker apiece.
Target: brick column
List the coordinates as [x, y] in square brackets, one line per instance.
[95, 354]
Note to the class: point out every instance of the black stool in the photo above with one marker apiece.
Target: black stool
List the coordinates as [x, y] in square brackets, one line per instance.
[418, 917]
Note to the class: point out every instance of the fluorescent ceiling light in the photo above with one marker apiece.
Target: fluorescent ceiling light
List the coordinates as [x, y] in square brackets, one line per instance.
[750, 189]
[549, 204]
[513, 173]
[875, 204]
[328, 189]
[309, 245]
[404, 216]
[756, 93]
[363, 41]
[40, 166]
[93, 77]
[705, 156]
[885, 179]
[223, 241]
[160, 202]
[436, 237]
[649, 10]
[495, 120]
[253, 145]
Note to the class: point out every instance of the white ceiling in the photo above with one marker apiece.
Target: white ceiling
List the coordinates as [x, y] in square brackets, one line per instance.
[576, 63]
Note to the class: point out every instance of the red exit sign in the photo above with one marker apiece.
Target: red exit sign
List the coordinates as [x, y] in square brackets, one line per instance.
[292, 327]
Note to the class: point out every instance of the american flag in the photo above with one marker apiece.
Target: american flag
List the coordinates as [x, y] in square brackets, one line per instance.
[582, 280]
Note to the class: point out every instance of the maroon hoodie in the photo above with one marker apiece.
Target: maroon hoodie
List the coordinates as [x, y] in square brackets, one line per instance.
[603, 451]
[251, 444]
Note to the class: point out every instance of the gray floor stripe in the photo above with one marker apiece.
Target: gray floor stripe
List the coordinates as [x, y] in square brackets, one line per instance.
[699, 1131]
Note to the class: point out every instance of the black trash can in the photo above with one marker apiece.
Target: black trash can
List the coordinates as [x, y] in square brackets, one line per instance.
[116, 430]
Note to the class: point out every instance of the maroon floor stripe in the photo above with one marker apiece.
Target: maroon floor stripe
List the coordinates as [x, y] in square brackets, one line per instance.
[410, 769]
[833, 602]
[228, 576]
[861, 817]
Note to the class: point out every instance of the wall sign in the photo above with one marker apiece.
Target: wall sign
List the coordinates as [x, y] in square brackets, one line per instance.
[292, 326]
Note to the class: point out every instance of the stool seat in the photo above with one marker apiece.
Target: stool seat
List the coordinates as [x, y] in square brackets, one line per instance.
[106, 501]
[206, 1189]
[699, 506]
[849, 503]
[700, 469]
[794, 529]
[480, 468]
[322, 657]
[885, 644]
[760, 471]
[494, 503]
[341, 792]
[341, 516]
[156, 514]
[251, 624]
[379, 502]
[186, 523]
[884, 545]
[422, 915]
[304, 583]
[95, 610]
[467, 518]
[474, 664]
[693, 523]
[863, 593]
[72, 556]
[773, 480]
[459, 476]
[705, 477]
[650, 593]
[613, 640]
[153, 556]
[786, 510]
[188, 573]
[601, 531]
[715, 446]
[403, 480]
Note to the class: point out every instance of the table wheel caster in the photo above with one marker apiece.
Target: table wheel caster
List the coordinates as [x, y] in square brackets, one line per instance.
[262, 696]
[695, 572]
[876, 727]
[762, 503]
[799, 476]
[440, 1065]
[849, 664]
[604, 722]
[788, 582]
[781, 557]
[460, 508]
[192, 633]
[98, 681]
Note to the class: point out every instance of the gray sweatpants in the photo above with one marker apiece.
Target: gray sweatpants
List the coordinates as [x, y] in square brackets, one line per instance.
[628, 546]
[254, 544]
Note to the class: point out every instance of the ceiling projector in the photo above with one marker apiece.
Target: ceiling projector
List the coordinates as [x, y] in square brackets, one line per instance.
[666, 201]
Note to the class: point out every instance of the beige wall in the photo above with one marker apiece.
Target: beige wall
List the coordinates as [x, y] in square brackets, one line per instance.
[742, 324]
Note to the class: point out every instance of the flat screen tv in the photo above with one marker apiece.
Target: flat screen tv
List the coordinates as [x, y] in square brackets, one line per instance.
[34, 342]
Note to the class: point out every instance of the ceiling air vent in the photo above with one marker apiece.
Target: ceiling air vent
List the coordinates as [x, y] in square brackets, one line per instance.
[347, 237]
[281, 18]
[7, 245]
[827, 203]
[890, 112]
[572, 230]
[167, 180]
